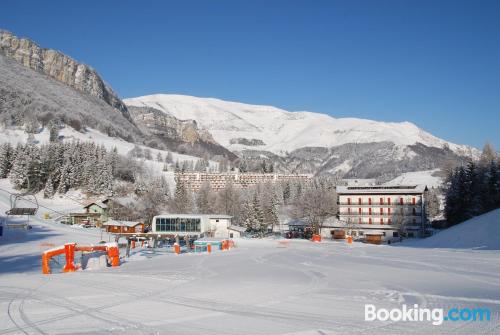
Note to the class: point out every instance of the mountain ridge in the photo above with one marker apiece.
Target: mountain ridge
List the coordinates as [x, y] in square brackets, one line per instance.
[225, 119]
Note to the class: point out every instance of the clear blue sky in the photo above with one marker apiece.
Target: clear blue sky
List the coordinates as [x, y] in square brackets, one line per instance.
[435, 63]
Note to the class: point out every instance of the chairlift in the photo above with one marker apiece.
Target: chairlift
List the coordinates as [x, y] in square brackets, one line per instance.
[23, 204]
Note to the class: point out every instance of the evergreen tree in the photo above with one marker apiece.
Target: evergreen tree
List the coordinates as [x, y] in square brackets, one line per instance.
[6, 158]
[48, 191]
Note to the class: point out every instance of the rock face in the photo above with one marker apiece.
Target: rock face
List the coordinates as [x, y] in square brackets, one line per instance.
[60, 67]
[183, 136]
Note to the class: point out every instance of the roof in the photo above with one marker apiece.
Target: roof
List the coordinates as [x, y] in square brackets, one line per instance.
[85, 214]
[237, 228]
[121, 223]
[399, 189]
[100, 204]
[209, 216]
[297, 222]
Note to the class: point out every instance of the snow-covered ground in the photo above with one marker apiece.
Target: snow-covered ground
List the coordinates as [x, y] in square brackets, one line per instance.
[480, 233]
[260, 287]
[281, 130]
[15, 136]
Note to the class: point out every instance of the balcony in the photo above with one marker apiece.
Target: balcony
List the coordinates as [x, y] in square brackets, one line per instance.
[392, 205]
[385, 214]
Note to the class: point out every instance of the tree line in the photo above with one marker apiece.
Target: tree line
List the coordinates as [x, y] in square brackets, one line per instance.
[473, 189]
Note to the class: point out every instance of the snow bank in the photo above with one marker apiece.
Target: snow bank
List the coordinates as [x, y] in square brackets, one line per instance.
[481, 232]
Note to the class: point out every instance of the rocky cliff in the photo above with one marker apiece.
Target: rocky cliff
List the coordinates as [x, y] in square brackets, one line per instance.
[60, 67]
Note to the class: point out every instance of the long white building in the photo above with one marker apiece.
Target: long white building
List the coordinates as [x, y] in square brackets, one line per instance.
[218, 180]
[200, 225]
[383, 211]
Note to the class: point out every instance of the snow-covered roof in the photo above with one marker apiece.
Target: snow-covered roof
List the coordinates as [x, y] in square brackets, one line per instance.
[237, 228]
[399, 189]
[121, 223]
[100, 204]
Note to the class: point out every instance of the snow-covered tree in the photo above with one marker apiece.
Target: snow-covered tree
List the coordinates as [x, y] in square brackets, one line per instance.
[6, 158]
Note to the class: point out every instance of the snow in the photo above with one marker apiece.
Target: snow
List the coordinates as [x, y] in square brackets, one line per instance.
[282, 130]
[427, 178]
[481, 232]
[259, 287]
[15, 136]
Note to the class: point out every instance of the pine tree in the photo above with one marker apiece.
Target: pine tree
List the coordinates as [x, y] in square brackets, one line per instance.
[48, 191]
[6, 158]
[19, 172]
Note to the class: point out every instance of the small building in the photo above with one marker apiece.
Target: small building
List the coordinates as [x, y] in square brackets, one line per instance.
[124, 227]
[199, 225]
[98, 207]
[236, 231]
[93, 219]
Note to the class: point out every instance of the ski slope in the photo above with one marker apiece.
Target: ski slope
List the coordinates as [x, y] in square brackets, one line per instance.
[481, 233]
[260, 287]
[281, 130]
[427, 178]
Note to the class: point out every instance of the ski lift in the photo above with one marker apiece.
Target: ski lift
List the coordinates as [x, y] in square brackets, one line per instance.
[23, 204]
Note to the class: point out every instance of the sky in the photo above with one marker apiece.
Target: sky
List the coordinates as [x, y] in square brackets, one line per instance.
[433, 63]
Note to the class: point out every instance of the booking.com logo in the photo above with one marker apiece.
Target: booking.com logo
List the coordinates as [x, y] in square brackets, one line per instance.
[416, 314]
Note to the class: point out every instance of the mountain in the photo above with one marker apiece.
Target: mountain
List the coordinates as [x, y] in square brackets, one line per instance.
[39, 85]
[60, 67]
[312, 142]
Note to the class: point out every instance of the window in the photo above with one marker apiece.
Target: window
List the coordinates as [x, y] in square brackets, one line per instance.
[230, 235]
[359, 220]
[349, 211]
[359, 201]
[389, 211]
[414, 211]
[369, 220]
[348, 201]
[381, 201]
[389, 221]
[389, 201]
[370, 211]
[359, 211]
[369, 201]
[395, 234]
[381, 221]
[413, 201]
[383, 233]
[401, 201]
[381, 211]
[361, 233]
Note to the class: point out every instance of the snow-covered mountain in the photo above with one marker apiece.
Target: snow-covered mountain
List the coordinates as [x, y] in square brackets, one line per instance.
[239, 126]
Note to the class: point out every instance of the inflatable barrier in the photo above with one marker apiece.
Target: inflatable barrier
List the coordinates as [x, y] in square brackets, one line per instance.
[69, 250]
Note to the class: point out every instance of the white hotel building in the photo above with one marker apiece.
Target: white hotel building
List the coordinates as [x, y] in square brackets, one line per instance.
[382, 212]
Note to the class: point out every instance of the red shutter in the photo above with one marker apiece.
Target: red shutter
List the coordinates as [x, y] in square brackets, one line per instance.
[389, 201]
[401, 201]
[413, 201]
[381, 211]
[348, 201]
[369, 201]
[359, 201]
[381, 221]
[370, 211]
[381, 201]
[369, 220]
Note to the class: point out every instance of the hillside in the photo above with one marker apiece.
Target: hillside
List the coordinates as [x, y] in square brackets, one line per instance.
[481, 232]
[312, 142]
[41, 85]
[240, 126]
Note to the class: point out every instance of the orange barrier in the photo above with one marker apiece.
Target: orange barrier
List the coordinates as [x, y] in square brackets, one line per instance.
[316, 238]
[209, 248]
[349, 239]
[69, 250]
[177, 248]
